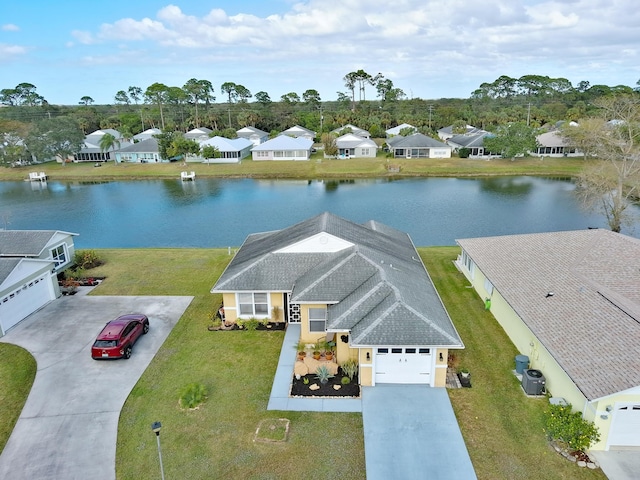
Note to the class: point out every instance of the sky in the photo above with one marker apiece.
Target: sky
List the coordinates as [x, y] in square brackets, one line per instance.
[430, 49]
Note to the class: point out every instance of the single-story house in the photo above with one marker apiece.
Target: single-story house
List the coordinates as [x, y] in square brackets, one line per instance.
[446, 133]
[253, 134]
[144, 151]
[570, 301]
[29, 263]
[354, 130]
[297, 131]
[553, 144]
[474, 142]
[394, 131]
[283, 147]
[91, 151]
[418, 146]
[200, 133]
[352, 145]
[362, 286]
[148, 133]
[231, 150]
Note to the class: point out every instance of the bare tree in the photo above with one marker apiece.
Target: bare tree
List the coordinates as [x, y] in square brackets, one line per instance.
[611, 183]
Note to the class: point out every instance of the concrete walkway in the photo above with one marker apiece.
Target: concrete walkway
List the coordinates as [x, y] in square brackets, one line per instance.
[410, 431]
[618, 464]
[69, 425]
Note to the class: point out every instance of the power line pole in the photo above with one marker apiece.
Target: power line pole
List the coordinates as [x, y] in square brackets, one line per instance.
[430, 110]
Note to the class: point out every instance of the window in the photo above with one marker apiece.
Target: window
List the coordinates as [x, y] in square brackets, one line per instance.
[488, 286]
[253, 304]
[59, 255]
[366, 152]
[468, 263]
[396, 350]
[317, 319]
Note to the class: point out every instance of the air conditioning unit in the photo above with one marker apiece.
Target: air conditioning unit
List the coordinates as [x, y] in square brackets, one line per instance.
[533, 382]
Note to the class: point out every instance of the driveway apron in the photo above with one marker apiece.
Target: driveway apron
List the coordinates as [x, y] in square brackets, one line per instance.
[68, 427]
[411, 432]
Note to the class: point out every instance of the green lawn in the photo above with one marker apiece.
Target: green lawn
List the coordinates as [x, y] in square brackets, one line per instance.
[17, 372]
[502, 428]
[316, 168]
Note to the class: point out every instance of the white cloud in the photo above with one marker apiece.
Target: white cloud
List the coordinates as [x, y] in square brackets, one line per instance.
[10, 27]
[8, 52]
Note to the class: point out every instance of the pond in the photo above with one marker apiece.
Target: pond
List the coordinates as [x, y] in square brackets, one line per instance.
[222, 212]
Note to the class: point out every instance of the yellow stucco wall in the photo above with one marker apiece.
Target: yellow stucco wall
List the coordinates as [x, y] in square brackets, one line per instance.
[440, 374]
[305, 334]
[230, 306]
[366, 366]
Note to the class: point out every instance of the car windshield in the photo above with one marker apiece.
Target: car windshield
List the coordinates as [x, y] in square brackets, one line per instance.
[105, 343]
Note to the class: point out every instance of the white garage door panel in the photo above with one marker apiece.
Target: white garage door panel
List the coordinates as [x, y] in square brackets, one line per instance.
[625, 426]
[403, 365]
[22, 303]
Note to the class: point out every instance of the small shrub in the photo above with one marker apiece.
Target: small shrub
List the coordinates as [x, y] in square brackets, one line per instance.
[87, 259]
[345, 380]
[251, 324]
[464, 152]
[565, 426]
[193, 395]
[305, 380]
[350, 368]
[323, 374]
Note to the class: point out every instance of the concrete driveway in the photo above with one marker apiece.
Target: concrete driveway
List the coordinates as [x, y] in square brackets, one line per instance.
[69, 424]
[619, 464]
[411, 432]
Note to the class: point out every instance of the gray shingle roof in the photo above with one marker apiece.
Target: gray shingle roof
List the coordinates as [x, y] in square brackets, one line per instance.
[417, 140]
[150, 145]
[24, 243]
[591, 325]
[7, 265]
[377, 287]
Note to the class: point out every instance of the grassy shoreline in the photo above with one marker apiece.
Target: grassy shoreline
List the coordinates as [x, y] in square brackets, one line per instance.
[316, 168]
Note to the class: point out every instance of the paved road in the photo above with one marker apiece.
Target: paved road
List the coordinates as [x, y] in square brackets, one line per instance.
[68, 427]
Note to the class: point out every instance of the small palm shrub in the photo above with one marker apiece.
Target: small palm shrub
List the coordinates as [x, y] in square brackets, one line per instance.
[345, 381]
[323, 374]
[193, 395]
[87, 259]
[350, 368]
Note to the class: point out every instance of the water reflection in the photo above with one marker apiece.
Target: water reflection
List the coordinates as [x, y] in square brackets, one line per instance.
[509, 186]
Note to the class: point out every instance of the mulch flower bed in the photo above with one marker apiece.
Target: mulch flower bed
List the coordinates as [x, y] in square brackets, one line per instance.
[299, 389]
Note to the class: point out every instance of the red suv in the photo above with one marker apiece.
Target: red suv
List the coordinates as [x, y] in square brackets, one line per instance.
[117, 338]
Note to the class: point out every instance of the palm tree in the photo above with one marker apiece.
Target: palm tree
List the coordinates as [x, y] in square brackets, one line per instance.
[109, 142]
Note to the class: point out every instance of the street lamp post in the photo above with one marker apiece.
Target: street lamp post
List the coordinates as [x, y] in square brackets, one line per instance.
[156, 426]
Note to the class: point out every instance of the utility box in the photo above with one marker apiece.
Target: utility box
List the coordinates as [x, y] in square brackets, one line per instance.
[522, 362]
[533, 382]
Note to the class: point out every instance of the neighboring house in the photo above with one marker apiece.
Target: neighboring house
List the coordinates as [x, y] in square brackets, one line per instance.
[91, 151]
[297, 131]
[145, 151]
[447, 132]
[570, 301]
[29, 263]
[474, 142]
[231, 150]
[553, 144]
[253, 134]
[418, 146]
[352, 145]
[392, 132]
[201, 133]
[283, 147]
[148, 133]
[354, 130]
[362, 286]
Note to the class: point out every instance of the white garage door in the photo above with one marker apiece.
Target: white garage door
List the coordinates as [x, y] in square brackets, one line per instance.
[403, 365]
[19, 304]
[625, 426]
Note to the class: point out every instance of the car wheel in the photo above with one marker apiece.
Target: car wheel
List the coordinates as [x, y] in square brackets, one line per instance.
[145, 329]
[127, 351]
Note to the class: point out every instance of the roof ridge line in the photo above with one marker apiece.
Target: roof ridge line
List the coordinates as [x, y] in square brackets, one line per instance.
[327, 273]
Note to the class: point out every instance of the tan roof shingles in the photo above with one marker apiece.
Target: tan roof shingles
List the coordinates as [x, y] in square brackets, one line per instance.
[591, 325]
